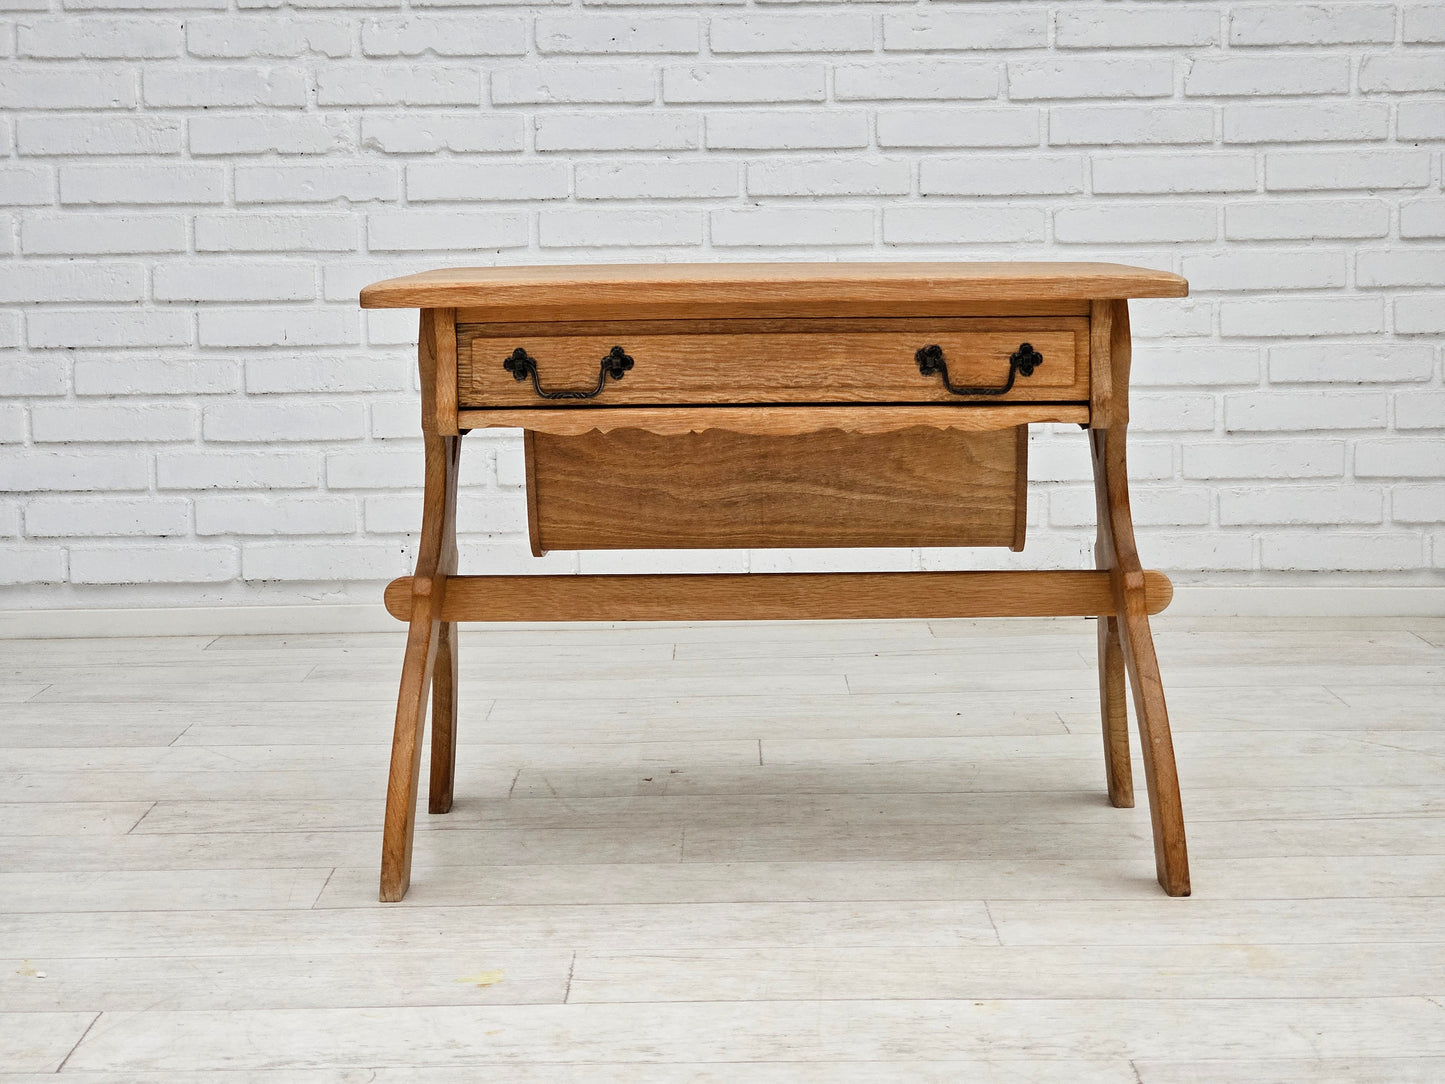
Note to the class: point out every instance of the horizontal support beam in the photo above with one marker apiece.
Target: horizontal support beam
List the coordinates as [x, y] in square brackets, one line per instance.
[820, 596]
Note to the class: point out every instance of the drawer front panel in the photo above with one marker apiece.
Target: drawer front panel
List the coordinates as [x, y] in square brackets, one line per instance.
[628, 489]
[755, 361]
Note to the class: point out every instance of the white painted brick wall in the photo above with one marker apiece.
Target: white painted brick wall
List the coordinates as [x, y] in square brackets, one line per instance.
[191, 195]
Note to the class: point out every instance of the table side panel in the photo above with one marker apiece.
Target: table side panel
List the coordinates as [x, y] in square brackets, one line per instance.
[630, 489]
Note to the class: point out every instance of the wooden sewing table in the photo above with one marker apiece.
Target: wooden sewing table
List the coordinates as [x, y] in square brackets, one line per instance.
[676, 406]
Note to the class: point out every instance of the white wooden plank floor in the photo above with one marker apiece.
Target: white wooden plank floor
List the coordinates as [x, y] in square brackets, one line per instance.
[811, 852]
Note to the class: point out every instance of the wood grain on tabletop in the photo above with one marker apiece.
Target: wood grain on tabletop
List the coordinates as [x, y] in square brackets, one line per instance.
[604, 291]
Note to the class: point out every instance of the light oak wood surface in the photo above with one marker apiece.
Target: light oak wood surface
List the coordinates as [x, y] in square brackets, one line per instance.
[787, 361]
[660, 291]
[1116, 552]
[718, 489]
[778, 421]
[833, 443]
[779, 596]
[443, 344]
[1101, 368]
[424, 657]
[1112, 677]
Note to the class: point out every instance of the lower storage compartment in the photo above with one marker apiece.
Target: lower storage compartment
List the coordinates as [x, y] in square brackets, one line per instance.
[922, 486]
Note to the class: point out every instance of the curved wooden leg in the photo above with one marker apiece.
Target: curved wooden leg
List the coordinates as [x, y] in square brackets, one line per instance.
[401, 786]
[1171, 858]
[424, 633]
[1118, 771]
[444, 681]
[443, 721]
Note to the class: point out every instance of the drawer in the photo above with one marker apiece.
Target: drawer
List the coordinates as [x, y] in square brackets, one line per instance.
[920, 486]
[676, 362]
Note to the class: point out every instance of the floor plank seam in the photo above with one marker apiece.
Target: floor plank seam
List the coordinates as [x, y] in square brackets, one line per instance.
[76, 1047]
[1370, 743]
[322, 891]
[142, 817]
[989, 912]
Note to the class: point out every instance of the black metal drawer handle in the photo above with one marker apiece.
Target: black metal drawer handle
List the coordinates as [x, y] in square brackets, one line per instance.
[1023, 360]
[522, 365]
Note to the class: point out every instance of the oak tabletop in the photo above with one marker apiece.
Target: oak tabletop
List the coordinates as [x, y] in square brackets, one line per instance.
[772, 285]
